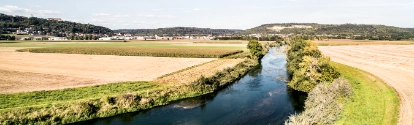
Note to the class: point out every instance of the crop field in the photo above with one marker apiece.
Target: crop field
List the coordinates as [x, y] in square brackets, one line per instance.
[185, 44]
[206, 70]
[128, 51]
[394, 64]
[343, 42]
[50, 71]
[64, 82]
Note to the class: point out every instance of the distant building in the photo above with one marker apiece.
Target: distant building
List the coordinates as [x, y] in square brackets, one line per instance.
[57, 19]
[58, 38]
[105, 38]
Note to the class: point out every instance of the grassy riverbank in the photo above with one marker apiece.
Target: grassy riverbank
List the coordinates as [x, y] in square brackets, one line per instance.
[79, 104]
[373, 102]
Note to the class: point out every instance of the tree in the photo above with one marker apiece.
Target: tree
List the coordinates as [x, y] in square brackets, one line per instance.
[256, 49]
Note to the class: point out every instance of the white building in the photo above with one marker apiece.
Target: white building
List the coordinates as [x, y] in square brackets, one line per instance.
[105, 38]
[58, 38]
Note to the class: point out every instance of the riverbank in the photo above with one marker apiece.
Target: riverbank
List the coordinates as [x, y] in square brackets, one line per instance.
[108, 100]
[356, 97]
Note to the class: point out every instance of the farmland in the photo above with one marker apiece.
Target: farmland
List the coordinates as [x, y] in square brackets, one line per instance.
[344, 42]
[56, 71]
[93, 72]
[394, 65]
[122, 51]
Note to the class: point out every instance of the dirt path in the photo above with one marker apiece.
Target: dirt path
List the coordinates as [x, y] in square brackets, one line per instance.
[21, 71]
[392, 63]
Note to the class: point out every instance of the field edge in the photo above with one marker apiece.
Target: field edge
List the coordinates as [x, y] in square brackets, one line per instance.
[365, 106]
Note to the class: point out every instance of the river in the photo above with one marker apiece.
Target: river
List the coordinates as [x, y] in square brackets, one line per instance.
[260, 97]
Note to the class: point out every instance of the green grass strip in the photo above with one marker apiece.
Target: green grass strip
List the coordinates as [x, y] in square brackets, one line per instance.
[71, 94]
[373, 102]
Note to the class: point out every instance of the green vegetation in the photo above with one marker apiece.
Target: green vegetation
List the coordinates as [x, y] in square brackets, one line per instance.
[324, 104]
[10, 24]
[373, 102]
[128, 51]
[263, 38]
[307, 66]
[71, 94]
[79, 104]
[342, 31]
[256, 49]
[176, 31]
[7, 37]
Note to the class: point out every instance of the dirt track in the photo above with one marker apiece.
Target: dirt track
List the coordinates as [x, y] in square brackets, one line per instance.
[392, 63]
[22, 72]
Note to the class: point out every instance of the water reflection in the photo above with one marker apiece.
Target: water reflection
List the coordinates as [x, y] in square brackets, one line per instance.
[260, 97]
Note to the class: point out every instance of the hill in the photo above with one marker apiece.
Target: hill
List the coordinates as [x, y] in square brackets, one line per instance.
[40, 26]
[353, 31]
[179, 31]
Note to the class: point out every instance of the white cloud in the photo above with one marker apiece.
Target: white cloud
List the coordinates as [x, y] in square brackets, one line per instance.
[166, 16]
[193, 10]
[122, 16]
[100, 14]
[11, 9]
[16, 9]
[47, 12]
[157, 16]
[156, 9]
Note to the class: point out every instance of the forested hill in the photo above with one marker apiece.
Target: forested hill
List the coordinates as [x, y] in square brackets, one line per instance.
[179, 31]
[361, 31]
[9, 24]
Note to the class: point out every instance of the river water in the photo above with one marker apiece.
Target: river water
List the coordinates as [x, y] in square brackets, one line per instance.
[260, 97]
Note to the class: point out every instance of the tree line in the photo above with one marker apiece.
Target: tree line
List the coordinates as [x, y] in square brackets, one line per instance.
[336, 31]
[9, 24]
[179, 31]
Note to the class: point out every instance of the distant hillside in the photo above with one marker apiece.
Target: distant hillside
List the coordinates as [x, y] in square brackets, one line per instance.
[356, 31]
[179, 31]
[42, 26]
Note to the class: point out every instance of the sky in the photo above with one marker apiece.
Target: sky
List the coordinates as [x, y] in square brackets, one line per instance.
[218, 14]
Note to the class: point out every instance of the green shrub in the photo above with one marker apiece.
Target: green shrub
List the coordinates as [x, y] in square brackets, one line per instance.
[307, 66]
[256, 49]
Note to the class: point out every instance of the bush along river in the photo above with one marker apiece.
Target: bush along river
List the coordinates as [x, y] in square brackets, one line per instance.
[260, 97]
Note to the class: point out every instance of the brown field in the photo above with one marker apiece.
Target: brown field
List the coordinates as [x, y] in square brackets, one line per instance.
[392, 63]
[339, 42]
[193, 74]
[22, 71]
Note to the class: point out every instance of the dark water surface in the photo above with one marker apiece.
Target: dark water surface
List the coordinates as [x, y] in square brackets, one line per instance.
[261, 97]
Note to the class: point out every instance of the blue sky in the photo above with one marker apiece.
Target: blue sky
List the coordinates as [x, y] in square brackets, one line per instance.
[225, 14]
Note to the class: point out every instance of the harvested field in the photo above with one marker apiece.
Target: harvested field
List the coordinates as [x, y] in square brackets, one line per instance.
[49, 71]
[341, 42]
[392, 63]
[129, 51]
[190, 75]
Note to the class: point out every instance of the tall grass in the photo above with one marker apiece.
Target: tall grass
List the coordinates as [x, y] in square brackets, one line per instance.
[324, 104]
[128, 51]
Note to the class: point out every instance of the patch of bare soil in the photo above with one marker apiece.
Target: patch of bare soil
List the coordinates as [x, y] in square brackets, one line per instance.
[392, 63]
[21, 71]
